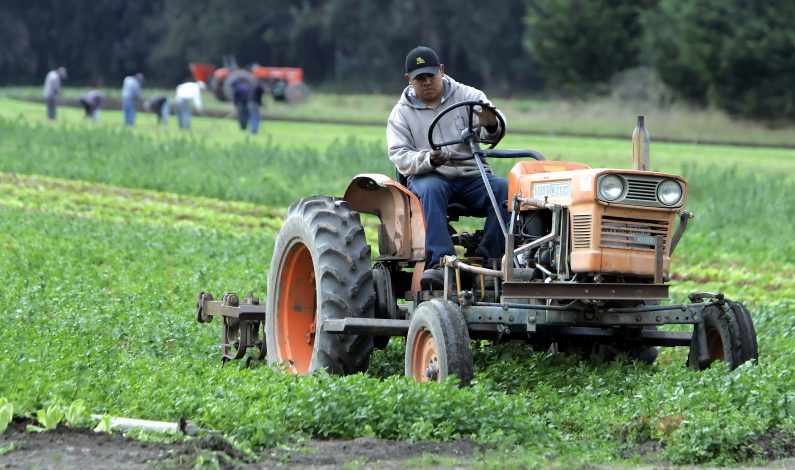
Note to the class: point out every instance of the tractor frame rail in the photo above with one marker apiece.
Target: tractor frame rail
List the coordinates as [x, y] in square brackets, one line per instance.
[519, 321]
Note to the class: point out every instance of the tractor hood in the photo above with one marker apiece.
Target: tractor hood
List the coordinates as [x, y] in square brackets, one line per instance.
[570, 184]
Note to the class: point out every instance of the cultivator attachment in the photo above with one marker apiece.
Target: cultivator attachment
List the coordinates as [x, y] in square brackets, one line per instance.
[243, 324]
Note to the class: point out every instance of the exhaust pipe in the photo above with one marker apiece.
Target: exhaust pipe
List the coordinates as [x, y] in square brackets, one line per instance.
[640, 146]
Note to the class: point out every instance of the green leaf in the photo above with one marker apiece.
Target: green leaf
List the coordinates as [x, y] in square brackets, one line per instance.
[51, 416]
[32, 428]
[76, 414]
[6, 413]
[103, 425]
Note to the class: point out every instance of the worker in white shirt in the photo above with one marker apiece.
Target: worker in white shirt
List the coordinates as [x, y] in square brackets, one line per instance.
[188, 97]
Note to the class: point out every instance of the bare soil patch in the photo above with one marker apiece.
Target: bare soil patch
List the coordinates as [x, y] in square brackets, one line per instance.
[83, 448]
[66, 448]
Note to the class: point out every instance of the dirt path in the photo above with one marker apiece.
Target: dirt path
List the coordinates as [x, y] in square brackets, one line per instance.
[67, 448]
[83, 449]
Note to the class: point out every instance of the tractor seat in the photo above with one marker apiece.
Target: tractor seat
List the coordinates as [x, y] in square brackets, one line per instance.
[455, 210]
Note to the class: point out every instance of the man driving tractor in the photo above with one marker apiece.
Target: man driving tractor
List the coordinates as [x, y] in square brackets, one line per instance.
[589, 253]
[449, 174]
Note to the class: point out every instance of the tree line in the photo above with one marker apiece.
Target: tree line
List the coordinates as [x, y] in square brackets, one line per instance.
[737, 55]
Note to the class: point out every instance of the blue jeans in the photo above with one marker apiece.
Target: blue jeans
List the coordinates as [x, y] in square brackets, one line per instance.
[164, 112]
[128, 106]
[183, 114]
[253, 116]
[242, 114]
[436, 192]
[51, 107]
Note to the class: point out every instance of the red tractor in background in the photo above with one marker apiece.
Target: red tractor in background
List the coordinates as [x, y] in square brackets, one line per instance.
[283, 83]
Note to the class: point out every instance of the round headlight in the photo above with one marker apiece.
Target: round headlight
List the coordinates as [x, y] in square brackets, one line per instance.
[669, 192]
[611, 187]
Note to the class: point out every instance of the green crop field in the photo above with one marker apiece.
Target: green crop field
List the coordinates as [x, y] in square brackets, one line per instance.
[107, 234]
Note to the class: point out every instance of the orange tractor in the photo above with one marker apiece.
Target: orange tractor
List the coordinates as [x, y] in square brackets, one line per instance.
[283, 83]
[586, 270]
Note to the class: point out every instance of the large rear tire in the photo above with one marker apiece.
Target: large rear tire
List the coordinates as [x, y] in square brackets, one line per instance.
[320, 270]
[437, 345]
[730, 334]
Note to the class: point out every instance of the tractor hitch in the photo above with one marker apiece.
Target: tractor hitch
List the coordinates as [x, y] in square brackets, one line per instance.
[243, 324]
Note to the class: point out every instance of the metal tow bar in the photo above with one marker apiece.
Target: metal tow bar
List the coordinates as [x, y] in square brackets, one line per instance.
[243, 324]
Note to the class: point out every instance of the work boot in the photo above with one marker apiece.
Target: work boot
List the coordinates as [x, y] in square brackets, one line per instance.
[432, 279]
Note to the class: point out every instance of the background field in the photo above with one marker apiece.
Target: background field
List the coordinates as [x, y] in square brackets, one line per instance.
[605, 116]
[107, 234]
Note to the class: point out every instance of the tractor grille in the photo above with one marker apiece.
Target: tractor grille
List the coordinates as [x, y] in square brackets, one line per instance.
[621, 232]
[641, 190]
[582, 230]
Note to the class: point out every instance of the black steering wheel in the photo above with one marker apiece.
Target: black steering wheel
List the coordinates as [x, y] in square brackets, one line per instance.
[471, 134]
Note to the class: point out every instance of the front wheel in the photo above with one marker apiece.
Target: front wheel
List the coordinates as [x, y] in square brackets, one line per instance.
[320, 270]
[730, 335]
[296, 93]
[437, 345]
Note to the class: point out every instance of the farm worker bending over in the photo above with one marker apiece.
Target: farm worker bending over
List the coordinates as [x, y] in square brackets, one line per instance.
[130, 95]
[242, 92]
[160, 106]
[52, 88]
[91, 102]
[189, 95]
[254, 107]
[433, 176]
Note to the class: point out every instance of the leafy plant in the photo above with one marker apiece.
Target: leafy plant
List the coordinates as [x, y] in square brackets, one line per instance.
[49, 417]
[76, 414]
[103, 425]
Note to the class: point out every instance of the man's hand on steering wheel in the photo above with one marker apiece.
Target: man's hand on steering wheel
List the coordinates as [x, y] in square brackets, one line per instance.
[439, 157]
[487, 119]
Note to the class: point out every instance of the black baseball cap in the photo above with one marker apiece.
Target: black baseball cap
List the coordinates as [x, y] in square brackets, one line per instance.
[421, 60]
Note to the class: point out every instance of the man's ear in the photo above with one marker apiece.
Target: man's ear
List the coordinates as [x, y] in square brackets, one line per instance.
[408, 78]
[441, 69]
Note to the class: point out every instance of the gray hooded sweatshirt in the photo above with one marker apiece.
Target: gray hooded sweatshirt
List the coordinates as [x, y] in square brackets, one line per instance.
[407, 132]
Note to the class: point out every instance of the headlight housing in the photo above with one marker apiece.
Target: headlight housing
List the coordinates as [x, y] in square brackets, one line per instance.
[611, 187]
[669, 192]
[639, 189]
